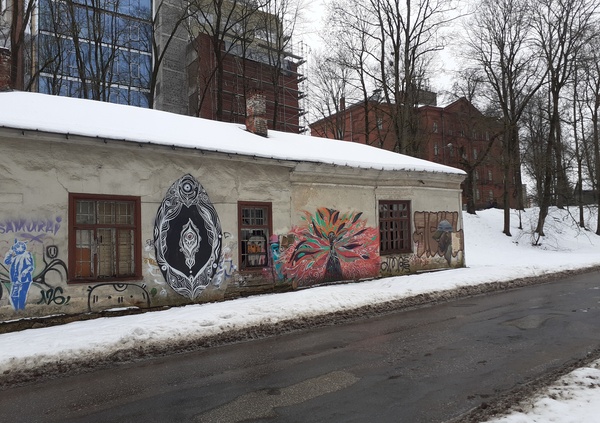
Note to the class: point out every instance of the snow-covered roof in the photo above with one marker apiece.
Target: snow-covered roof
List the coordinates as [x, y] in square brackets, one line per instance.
[63, 115]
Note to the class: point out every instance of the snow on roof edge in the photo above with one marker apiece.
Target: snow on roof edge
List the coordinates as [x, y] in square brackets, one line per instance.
[89, 118]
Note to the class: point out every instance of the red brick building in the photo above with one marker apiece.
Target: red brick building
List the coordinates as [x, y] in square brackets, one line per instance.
[456, 135]
[244, 72]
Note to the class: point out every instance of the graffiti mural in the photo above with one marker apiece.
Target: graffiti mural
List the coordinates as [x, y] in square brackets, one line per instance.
[106, 295]
[330, 246]
[21, 273]
[187, 238]
[436, 235]
[22, 268]
[227, 269]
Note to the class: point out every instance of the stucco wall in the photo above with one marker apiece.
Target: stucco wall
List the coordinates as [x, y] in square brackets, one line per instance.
[37, 173]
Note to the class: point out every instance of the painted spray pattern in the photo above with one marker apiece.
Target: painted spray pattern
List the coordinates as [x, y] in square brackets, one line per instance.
[436, 235]
[330, 246]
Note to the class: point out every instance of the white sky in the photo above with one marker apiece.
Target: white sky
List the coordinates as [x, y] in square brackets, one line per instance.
[490, 255]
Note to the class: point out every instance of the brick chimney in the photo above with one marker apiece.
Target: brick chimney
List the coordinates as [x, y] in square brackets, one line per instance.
[5, 65]
[256, 113]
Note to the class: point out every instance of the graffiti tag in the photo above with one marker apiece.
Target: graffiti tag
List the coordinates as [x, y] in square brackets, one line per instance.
[30, 226]
[54, 295]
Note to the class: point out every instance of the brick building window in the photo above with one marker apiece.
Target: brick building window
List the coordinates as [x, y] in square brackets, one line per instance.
[255, 227]
[394, 227]
[104, 237]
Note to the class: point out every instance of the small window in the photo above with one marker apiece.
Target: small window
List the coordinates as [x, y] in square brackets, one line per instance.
[490, 176]
[380, 123]
[435, 149]
[475, 153]
[255, 229]
[435, 127]
[394, 227]
[104, 237]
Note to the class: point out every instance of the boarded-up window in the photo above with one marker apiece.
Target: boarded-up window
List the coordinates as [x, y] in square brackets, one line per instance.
[394, 227]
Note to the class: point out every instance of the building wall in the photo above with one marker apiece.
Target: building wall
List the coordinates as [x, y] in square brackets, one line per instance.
[446, 134]
[36, 183]
[171, 82]
[456, 137]
[239, 77]
[121, 46]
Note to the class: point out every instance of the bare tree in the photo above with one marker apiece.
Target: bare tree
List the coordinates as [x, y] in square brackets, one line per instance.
[352, 38]
[535, 129]
[18, 14]
[562, 28]
[472, 124]
[589, 70]
[167, 31]
[216, 31]
[329, 91]
[277, 24]
[409, 33]
[499, 44]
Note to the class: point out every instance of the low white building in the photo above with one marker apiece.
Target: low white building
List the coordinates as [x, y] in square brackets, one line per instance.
[105, 206]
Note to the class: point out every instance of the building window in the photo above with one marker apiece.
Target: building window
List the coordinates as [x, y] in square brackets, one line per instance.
[379, 123]
[394, 227]
[490, 177]
[435, 127]
[104, 237]
[475, 153]
[255, 227]
[435, 149]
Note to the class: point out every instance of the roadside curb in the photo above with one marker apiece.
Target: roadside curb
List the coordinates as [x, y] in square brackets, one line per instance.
[69, 366]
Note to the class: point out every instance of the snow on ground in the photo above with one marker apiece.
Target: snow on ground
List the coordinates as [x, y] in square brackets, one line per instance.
[490, 255]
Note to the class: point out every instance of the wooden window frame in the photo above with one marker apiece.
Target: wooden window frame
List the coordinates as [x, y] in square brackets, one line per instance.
[385, 240]
[268, 227]
[135, 226]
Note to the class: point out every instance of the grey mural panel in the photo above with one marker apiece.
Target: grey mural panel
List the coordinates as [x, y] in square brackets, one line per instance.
[187, 238]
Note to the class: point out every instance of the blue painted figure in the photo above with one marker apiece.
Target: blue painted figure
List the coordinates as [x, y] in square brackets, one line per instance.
[21, 273]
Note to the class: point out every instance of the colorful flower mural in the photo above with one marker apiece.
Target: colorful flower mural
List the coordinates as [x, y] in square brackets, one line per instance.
[330, 246]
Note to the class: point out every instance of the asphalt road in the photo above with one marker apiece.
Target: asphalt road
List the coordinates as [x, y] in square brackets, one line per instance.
[430, 364]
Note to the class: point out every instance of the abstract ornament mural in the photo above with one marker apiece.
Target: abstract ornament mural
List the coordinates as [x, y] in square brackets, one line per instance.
[331, 246]
[187, 238]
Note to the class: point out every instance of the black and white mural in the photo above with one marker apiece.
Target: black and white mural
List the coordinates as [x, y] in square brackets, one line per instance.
[187, 238]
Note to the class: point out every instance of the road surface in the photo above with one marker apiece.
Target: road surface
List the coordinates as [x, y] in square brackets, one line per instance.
[430, 364]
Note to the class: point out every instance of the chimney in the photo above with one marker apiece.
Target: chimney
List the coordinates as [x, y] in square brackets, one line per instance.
[256, 113]
[342, 103]
[5, 65]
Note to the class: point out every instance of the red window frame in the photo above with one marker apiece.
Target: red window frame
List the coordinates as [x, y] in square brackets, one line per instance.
[394, 227]
[249, 222]
[79, 268]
